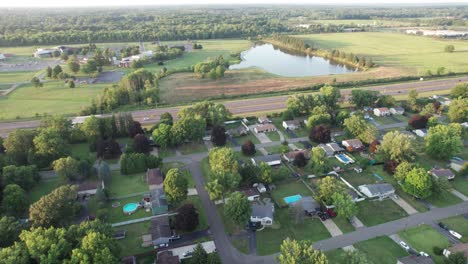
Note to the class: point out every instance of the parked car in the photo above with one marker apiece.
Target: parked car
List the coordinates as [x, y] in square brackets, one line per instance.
[162, 245]
[404, 245]
[175, 237]
[442, 225]
[455, 234]
[423, 254]
[187, 254]
[331, 212]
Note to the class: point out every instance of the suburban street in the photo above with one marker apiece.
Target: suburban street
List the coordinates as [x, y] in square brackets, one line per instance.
[267, 104]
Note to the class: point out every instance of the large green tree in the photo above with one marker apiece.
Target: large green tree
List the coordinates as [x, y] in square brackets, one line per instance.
[188, 128]
[345, 206]
[363, 98]
[265, 172]
[328, 186]
[175, 186]
[300, 252]
[18, 254]
[442, 142]
[418, 183]
[96, 248]
[47, 245]
[458, 110]
[162, 135]
[222, 184]
[199, 255]
[461, 90]
[397, 146]
[223, 160]
[355, 257]
[318, 116]
[238, 208]
[402, 170]
[14, 201]
[330, 96]
[319, 161]
[67, 168]
[49, 145]
[17, 145]
[356, 126]
[10, 229]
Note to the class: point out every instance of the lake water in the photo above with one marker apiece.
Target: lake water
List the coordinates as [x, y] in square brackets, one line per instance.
[276, 61]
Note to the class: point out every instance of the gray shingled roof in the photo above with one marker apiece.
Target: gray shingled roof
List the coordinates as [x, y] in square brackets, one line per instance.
[380, 188]
[309, 204]
[263, 210]
[268, 158]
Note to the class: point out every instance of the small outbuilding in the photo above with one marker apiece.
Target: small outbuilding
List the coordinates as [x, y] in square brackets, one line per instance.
[291, 124]
[264, 120]
[155, 178]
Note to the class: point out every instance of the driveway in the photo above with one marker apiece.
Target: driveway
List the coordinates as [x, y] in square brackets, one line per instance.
[404, 205]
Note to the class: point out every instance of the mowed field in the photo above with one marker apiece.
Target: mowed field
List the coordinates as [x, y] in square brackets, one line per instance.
[413, 53]
[53, 98]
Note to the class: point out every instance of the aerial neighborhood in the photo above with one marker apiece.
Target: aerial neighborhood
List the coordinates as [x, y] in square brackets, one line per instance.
[234, 134]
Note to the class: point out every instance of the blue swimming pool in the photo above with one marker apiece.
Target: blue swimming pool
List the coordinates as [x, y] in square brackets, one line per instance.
[292, 199]
[130, 208]
[344, 158]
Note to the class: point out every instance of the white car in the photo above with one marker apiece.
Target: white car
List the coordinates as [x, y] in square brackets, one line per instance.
[455, 234]
[424, 254]
[404, 245]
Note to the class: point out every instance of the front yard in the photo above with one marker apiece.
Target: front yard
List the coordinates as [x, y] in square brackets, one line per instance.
[425, 238]
[381, 250]
[273, 136]
[377, 212]
[458, 224]
[270, 239]
[461, 184]
[191, 148]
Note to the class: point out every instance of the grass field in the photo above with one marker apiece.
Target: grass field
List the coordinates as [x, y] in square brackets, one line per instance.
[270, 239]
[121, 185]
[414, 53]
[131, 244]
[53, 98]
[16, 77]
[288, 189]
[461, 184]
[387, 211]
[362, 22]
[424, 238]
[381, 250]
[43, 188]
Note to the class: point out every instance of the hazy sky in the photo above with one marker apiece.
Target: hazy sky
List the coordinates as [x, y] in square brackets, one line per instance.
[59, 3]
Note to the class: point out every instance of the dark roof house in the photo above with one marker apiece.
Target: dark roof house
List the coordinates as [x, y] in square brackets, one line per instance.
[166, 257]
[442, 173]
[158, 202]
[309, 205]
[154, 178]
[271, 160]
[160, 230]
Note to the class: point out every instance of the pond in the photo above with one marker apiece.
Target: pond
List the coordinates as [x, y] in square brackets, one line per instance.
[276, 61]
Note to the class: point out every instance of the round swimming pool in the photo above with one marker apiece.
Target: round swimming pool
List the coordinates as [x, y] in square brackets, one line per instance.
[130, 208]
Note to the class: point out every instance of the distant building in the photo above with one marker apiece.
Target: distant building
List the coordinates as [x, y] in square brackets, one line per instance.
[265, 128]
[290, 156]
[272, 160]
[291, 124]
[89, 188]
[264, 120]
[382, 111]
[397, 110]
[44, 53]
[331, 149]
[415, 260]
[442, 173]
[381, 190]
[437, 33]
[263, 213]
[238, 131]
[463, 248]
[352, 145]
[166, 257]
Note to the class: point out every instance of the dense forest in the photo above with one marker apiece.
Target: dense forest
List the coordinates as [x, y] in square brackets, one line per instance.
[20, 27]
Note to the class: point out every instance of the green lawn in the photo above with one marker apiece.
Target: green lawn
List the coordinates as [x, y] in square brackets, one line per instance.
[54, 97]
[242, 244]
[131, 244]
[415, 53]
[229, 226]
[116, 215]
[444, 200]
[121, 185]
[270, 239]
[16, 77]
[249, 136]
[43, 188]
[192, 147]
[384, 120]
[336, 256]
[460, 225]
[378, 212]
[357, 179]
[381, 250]
[80, 150]
[273, 136]
[288, 189]
[461, 184]
[425, 238]
[344, 225]
[278, 149]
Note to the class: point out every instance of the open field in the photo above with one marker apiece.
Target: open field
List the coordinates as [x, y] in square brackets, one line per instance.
[413, 53]
[362, 22]
[425, 238]
[53, 98]
[381, 250]
[121, 185]
[16, 77]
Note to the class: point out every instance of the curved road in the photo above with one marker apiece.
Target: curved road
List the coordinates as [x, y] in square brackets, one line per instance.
[244, 106]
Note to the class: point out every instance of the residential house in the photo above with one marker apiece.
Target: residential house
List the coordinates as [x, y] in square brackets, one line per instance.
[251, 193]
[309, 205]
[272, 160]
[457, 248]
[352, 144]
[290, 156]
[380, 190]
[89, 188]
[81, 119]
[166, 257]
[2, 57]
[456, 164]
[331, 149]
[397, 110]
[264, 120]
[155, 178]
[238, 131]
[262, 213]
[44, 53]
[382, 111]
[264, 128]
[412, 259]
[160, 230]
[420, 132]
[260, 187]
[291, 124]
[158, 201]
[441, 173]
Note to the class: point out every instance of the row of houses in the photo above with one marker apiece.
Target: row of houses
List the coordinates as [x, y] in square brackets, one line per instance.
[384, 111]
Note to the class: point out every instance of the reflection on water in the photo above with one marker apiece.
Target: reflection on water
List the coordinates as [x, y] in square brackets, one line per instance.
[276, 61]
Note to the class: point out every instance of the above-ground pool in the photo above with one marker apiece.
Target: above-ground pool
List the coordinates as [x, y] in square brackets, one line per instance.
[344, 158]
[130, 208]
[292, 199]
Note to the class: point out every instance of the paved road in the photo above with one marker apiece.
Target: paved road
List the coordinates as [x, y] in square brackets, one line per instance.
[265, 103]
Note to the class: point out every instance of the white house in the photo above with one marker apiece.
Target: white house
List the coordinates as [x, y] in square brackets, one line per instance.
[264, 128]
[264, 120]
[382, 111]
[421, 132]
[353, 144]
[271, 160]
[291, 124]
[381, 190]
[397, 110]
[263, 213]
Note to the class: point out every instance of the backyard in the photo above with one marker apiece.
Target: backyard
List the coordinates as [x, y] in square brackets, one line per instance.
[122, 185]
[132, 242]
[289, 189]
